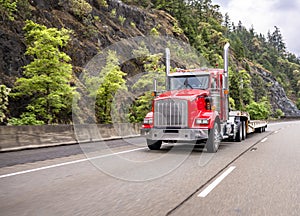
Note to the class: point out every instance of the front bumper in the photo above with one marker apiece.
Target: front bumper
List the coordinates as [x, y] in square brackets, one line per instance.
[145, 131]
[177, 134]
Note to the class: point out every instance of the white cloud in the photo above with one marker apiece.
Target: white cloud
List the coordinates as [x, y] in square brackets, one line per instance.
[264, 15]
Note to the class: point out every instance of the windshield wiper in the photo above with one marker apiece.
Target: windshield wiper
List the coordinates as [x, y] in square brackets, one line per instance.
[186, 83]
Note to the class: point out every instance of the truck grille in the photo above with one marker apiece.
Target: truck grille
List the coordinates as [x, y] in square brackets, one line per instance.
[171, 113]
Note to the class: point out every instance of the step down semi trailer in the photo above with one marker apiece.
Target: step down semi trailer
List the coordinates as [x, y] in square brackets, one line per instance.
[195, 109]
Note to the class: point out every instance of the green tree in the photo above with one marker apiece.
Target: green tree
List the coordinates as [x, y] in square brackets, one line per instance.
[108, 82]
[47, 78]
[154, 70]
[240, 88]
[276, 40]
[4, 93]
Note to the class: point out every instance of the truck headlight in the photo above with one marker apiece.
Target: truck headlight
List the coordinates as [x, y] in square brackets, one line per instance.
[202, 121]
[148, 120]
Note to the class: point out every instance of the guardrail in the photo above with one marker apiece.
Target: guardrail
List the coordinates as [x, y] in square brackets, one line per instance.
[25, 137]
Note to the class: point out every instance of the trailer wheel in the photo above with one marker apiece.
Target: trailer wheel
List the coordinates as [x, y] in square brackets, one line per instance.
[239, 133]
[154, 144]
[213, 141]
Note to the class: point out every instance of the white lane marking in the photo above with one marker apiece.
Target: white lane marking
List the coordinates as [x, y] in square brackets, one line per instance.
[210, 187]
[276, 132]
[264, 140]
[68, 163]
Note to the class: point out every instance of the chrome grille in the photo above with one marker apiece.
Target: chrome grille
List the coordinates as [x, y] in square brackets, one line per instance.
[171, 113]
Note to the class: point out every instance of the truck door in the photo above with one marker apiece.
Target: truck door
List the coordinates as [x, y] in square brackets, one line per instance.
[215, 92]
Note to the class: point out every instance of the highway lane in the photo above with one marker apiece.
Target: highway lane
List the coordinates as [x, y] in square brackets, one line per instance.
[85, 187]
[265, 180]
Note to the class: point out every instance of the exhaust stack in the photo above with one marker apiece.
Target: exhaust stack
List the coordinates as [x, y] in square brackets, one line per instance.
[226, 81]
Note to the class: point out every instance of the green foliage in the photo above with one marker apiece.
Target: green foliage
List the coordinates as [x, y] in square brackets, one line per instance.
[7, 8]
[102, 3]
[240, 88]
[132, 24]
[4, 93]
[25, 119]
[154, 32]
[259, 110]
[113, 12]
[79, 8]
[46, 79]
[298, 103]
[259, 87]
[231, 104]
[154, 70]
[177, 29]
[278, 113]
[104, 87]
[97, 18]
[122, 19]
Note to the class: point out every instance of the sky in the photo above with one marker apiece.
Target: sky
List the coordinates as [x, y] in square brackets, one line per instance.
[264, 15]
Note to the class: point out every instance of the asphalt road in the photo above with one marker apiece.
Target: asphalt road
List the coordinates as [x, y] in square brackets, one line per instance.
[258, 176]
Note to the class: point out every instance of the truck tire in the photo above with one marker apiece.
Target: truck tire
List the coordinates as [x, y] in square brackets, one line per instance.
[213, 141]
[154, 144]
[239, 133]
[244, 130]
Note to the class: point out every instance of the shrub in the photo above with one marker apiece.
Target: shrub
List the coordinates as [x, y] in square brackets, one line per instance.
[259, 110]
[154, 32]
[122, 19]
[7, 8]
[26, 119]
[278, 113]
[78, 8]
[4, 92]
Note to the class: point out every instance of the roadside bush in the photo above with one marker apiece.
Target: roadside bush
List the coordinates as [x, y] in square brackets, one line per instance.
[259, 110]
[25, 119]
[4, 92]
[278, 113]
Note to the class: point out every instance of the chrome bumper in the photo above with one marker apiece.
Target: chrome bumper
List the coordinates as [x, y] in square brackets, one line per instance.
[177, 134]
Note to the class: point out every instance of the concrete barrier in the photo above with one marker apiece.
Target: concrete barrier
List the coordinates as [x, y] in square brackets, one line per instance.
[25, 137]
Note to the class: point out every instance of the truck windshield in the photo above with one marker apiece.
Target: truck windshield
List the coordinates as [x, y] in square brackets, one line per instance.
[189, 82]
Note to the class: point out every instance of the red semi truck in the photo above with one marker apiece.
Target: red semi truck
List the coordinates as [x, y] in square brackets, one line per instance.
[195, 109]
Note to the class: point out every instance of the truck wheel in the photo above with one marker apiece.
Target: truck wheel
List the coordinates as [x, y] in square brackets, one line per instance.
[239, 133]
[244, 130]
[154, 144]
[213, 141]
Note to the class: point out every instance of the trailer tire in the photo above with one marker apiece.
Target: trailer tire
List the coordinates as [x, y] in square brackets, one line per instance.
[239, 133]
[154, 144]
[213, 141]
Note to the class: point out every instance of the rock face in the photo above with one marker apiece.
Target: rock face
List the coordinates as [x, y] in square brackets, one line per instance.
[278, 97]
[92, 32]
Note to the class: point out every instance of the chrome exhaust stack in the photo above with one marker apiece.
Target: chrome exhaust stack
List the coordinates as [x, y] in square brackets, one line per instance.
[226, 80]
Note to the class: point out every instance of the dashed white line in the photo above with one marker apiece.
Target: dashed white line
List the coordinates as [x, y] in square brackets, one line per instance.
[210, 187]
[264, 140]
[276, 132]
[68, 163]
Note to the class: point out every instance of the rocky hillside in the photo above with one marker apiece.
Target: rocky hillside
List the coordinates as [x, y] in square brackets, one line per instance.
[99, 27]
[95, 26]
[277, 95]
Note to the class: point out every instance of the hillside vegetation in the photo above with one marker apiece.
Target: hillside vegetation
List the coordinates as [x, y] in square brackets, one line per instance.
[46, 44]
